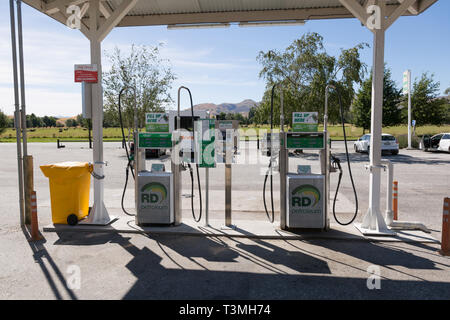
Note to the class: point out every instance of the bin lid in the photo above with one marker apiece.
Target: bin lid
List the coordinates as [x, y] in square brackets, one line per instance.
[69, 169]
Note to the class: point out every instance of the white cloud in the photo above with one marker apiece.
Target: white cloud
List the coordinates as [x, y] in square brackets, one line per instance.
[50, 57]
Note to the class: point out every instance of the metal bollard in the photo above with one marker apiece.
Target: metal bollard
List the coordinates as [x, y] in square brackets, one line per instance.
[445, 243]
[35, 236]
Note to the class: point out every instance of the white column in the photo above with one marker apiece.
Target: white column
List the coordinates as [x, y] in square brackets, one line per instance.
[98, 215]
[99, 212]
[373, 221]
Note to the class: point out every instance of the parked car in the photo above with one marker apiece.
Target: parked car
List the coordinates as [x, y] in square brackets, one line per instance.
[439, 142]
[389, 143]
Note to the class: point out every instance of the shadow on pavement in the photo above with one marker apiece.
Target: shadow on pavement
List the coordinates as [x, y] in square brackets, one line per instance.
[278, 272]
[40, 255]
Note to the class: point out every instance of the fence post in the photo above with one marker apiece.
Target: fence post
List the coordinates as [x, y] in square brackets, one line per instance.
[445, 243]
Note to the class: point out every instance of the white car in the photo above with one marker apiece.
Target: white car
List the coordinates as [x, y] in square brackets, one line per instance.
[389, 143]
[439, 142]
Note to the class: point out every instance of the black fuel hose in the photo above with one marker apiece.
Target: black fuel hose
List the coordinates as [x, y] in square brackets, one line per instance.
[190, 169]
[129, 158]
[337, 165]
[271, 216]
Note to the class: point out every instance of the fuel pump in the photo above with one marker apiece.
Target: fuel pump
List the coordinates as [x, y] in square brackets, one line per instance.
[304, 196]
[158, 192]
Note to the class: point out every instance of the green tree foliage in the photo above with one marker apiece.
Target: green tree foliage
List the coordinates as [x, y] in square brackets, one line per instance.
[71, 123]
[362, 105]
[49, 121]
[143, 70]
[392, 98]
[4, 122]
[251, 115]
[427, 108]
[34, 121]
[233, 116]
[447, 92]
[221, 116]
[447, 107]
[83, 122]
[303, 70]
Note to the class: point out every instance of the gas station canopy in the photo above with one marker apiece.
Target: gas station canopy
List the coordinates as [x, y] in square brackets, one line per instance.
[173, 12]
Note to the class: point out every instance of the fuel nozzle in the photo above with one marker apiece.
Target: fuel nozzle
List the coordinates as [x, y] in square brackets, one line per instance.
[336, 163]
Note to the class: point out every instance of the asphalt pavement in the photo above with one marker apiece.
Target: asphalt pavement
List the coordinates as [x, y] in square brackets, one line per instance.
[121, 266]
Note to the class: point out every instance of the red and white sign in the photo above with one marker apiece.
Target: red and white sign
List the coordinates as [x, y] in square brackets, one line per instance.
[86, 73]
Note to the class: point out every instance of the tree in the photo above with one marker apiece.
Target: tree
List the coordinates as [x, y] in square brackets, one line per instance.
[362, 106]
[34, 121]
[110, 119]
[303, 70]
[71, 123]
[447, 92]
[251, 115]
[147, 73]
[447, 107]
[221, 116]
[4, 122]
[427, 108]
[83, 122]
[49, 121]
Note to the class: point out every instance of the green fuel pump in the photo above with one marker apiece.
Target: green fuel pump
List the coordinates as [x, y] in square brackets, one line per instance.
[304, 196]
[157, 192]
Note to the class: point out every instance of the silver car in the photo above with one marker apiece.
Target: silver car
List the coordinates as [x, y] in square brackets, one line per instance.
[389, 143]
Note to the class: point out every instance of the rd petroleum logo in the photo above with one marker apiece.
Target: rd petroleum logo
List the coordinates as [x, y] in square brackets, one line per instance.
[305, 199]
[153, 195]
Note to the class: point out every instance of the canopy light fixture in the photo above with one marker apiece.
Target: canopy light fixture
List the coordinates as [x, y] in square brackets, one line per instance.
[197, 26]
[272, 23]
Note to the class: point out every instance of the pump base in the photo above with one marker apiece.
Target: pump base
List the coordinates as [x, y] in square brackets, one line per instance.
[374, 232]
[91, 222]
[230, 227]
[98, 216]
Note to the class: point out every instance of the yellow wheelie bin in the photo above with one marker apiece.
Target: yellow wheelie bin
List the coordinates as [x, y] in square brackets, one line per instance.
[69, 190]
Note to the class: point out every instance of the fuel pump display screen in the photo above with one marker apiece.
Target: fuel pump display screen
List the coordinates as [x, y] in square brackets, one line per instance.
[305, 140]
[150, 140]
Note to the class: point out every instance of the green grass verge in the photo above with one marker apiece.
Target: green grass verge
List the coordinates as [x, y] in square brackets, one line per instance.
[52, 134]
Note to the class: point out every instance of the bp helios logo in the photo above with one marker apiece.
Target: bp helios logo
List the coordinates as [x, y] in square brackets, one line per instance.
[306, 199]
[153, 195]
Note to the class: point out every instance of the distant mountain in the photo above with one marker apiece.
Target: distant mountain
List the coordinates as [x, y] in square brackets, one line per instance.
[241, 107]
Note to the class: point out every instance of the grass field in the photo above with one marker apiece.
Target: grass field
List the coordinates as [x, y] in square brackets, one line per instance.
[52, 134]
[352, 132]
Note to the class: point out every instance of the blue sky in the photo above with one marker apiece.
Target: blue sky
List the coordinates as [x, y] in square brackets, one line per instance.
[218, 65]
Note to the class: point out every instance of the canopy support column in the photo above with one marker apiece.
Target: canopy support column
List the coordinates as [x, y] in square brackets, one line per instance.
[374, 17]
[373, 221]
[97, 32]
